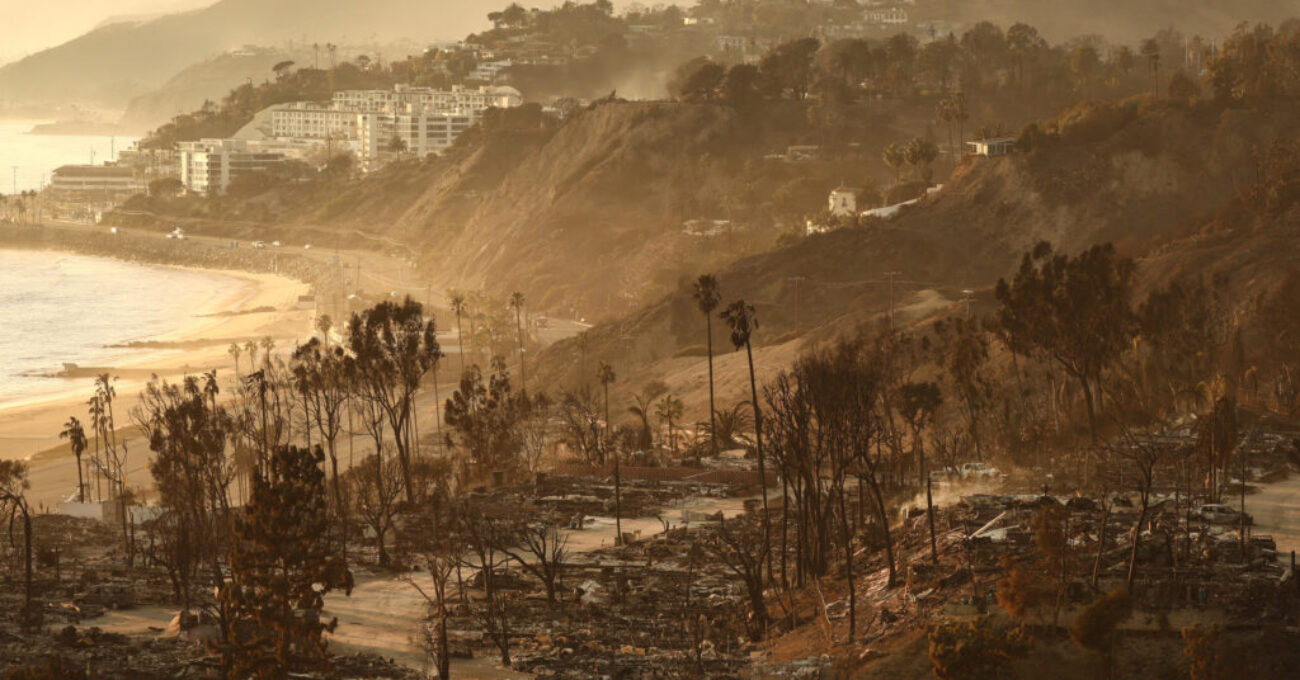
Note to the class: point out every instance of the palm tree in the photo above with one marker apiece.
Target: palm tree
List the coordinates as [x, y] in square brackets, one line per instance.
[944, 113]
[731, 422]
[268, 344]
[959, 116]
[606, 375]
[323, 324]
[707, 298]
[76, 436]
[458, 307]
[517, 304]
[740, 317]
[641, 409]
[95, 407]
[670, 409]
[234, 351]
[251, 348]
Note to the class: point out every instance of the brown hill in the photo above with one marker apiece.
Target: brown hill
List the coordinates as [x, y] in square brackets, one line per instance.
[1133, 174]
[587, 217]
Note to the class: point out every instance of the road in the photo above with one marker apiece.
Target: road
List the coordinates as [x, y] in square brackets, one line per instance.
[1276, 510]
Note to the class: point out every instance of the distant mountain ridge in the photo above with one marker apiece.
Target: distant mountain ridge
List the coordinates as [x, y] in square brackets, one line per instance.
[111, 64]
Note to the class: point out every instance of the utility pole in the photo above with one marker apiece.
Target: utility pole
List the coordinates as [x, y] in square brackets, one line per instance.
[891, 276]
[15, 167]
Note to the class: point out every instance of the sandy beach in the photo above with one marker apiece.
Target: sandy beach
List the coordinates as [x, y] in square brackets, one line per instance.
[255, 306]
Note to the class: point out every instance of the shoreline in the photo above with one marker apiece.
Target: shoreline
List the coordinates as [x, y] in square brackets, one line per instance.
[259, 305]
[128, 356]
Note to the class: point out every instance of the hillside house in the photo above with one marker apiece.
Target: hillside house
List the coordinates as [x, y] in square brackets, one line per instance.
[843, 201]
[888, 16]
[997, 146]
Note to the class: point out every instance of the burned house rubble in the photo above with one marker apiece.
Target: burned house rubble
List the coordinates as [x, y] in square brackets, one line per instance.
[666, 599]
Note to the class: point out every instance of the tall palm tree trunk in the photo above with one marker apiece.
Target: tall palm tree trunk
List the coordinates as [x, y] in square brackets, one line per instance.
[762, 468]
[713, 410]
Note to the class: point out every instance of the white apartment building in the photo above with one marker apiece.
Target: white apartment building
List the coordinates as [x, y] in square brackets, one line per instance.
[95, 182]
[426, 120]
[208, 166]
[458, 98]
[421, 133]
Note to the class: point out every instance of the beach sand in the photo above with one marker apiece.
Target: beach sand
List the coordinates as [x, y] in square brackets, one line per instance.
[260, 305]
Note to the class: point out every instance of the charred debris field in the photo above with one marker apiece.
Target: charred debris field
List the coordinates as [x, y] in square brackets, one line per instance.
[741, 340]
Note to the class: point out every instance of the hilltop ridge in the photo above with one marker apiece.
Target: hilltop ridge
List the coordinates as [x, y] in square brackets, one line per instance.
[113, 63]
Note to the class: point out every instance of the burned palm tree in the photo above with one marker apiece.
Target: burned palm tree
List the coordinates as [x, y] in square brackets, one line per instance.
[707, 297]
[459, 307]
[742, 320]
[517, 304]
[606, 375]
[76, 436]
[234, 351]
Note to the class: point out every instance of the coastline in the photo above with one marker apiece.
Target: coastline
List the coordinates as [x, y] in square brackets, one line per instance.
[275, 276]
[259, 305]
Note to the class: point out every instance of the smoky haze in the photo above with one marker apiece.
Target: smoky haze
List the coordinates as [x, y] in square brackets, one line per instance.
[47, 24]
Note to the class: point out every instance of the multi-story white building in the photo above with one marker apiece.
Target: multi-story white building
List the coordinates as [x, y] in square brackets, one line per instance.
[425, 120]
[305, 120]
[421, 133]
[88, 183]
[208, 166]
[458, 98]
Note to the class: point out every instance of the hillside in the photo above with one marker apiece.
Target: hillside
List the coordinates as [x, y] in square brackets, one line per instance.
[1140, 176]
[209, 80]
[584, 216]
[112, 64]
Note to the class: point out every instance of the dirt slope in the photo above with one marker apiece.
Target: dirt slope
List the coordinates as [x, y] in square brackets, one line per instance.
[1122, 174]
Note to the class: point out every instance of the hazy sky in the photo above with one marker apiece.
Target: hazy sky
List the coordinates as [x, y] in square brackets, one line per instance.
[49, 22]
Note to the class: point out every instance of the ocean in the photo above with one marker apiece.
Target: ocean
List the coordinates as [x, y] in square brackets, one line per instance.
[57, 308]
[27, 160]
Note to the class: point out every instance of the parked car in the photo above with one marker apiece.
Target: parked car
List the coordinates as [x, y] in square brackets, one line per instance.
[275, 243]
[1218, 513]
[259, 244]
